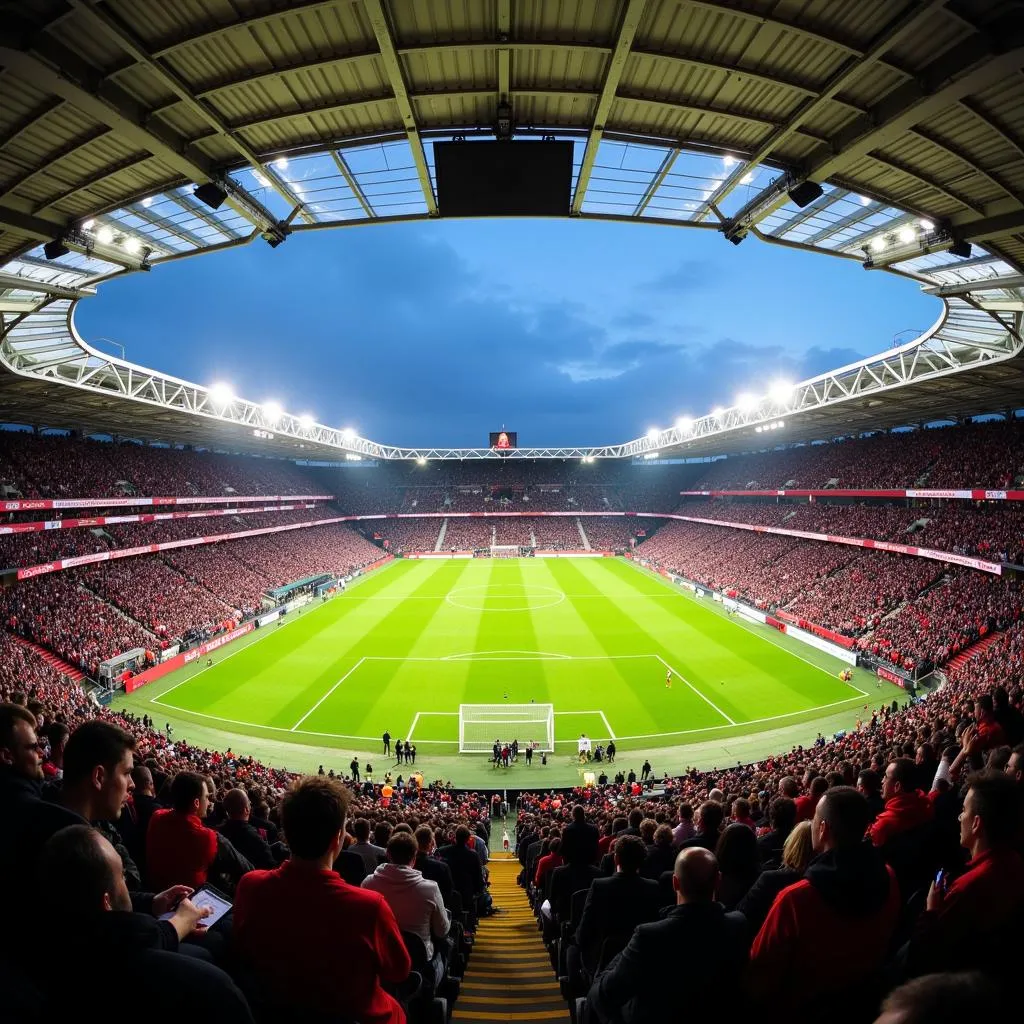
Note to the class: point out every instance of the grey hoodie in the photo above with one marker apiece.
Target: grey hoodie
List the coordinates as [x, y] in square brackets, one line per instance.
[415, 901]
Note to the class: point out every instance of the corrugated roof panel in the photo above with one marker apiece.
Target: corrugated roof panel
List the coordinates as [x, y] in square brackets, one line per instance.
[587, 19]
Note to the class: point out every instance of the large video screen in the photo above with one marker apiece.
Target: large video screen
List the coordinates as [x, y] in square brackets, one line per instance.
[504, 439]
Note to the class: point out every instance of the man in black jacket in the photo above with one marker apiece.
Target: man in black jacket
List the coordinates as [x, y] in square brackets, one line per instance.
[467, 872]
[244, 838]
[432, 869]
[690, 958]
[709, 819]
[82, 895]
[579, 839]
[616, 905]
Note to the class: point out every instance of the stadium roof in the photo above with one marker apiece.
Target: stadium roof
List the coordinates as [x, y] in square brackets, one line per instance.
[323, 113]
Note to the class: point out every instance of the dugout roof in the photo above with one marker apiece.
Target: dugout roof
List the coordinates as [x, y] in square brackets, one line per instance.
[323, 113]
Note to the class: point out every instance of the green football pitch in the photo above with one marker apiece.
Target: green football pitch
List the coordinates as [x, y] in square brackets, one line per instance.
[596, 638]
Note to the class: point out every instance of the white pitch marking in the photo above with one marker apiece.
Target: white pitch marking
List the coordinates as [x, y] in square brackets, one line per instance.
[412, 728]
[327, 694]
[702, 696]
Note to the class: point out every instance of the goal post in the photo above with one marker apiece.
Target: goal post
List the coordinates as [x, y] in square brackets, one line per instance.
[481, 724]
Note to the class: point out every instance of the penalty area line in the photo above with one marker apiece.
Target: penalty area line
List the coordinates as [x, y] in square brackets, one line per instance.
[707, 700]
[327, 694]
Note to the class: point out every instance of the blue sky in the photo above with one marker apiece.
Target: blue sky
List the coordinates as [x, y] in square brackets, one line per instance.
[570, 332]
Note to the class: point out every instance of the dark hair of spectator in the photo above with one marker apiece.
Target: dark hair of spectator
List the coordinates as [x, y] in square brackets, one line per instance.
[313, 812]
[94, 743]
[711, 815]
[997, 801]
[905, 773]
[186, 788]
[782, 814]
[9, 714]
[847, 815]
[944, 999]
[73, 873]
[401, 848]
[629, 854]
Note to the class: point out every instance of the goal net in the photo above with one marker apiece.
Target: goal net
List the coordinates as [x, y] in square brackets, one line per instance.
[506, 551]
[481, 724]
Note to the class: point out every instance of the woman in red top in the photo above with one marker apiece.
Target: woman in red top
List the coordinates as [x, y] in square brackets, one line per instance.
[551, 860]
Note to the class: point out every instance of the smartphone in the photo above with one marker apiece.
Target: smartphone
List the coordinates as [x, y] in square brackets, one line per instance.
[940, 879]
[207, 896]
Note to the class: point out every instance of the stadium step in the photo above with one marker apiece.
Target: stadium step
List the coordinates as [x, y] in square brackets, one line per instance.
[509, 977]
[51, 659]
[973, 651]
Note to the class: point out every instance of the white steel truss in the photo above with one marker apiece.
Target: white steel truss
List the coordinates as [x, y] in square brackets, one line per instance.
[980, 325]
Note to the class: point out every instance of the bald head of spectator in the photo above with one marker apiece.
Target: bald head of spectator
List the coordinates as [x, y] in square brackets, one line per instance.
[83, 874]
[142, 777]
[236, 805]
[695, 876]
[941, 999]
[789, 787]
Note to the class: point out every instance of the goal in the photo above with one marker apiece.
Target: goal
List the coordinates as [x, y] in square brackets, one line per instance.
[481, 724]
[506, 551]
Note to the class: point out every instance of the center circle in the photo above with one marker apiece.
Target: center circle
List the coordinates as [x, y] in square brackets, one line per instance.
[505, 597]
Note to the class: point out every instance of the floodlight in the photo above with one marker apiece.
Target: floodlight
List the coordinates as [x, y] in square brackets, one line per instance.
[105, 235]
[746, 402]
[272, 412]
[877, 244]
[757, 430]
[221, 394]
[306, 421]
[782, 423]
[907, 234]
[147, 202]
[132, 245]
[88, 225]
[926, 225]
[422, 461]
[684, 424]
[653, 434]
[781, 392]
[281, 163]
[650, 455]
[348, 435]
[718, 412]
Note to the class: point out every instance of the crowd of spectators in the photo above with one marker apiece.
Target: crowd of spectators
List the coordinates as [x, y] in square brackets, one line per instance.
[610, 533]
[940, 623]
[406, 534]
[557, 534]
[468, 534]
[58, 466]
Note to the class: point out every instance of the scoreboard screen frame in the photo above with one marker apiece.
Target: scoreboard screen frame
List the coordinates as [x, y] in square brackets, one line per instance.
[503, 440]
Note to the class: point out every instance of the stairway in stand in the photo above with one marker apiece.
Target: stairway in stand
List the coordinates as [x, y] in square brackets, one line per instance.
[509, 977]
[973, 651]
[51, 659]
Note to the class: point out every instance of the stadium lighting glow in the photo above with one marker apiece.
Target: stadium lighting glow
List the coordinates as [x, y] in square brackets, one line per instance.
[89, 225]
[729, 160]
[906, 234]
[132, 245]
[650, 455]
[305, 421]
[105, 235]
[926, 225]
[272, 412]
[348, 435]
[653, 434]
[147, 202]
[865, 201]
[877, 244]
[222, 394]
[781, 392]
[281, 163]
[718, 412]
[746, 402]
[684, 424]
[421, 461]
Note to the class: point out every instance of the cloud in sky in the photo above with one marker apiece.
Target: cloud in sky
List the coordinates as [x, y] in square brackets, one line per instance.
[435, 333]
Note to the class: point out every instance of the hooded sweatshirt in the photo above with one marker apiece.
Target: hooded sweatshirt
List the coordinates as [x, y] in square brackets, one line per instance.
[415, 901]
[900, 814]
[827, 931]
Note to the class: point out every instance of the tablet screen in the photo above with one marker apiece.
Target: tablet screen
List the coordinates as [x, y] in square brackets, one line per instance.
[205, 897]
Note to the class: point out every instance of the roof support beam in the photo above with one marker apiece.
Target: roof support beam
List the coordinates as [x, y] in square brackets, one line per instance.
[616, 65]
[852, 218]
[985, 284]
[393, 69]
[13, 282]
[801, 216]
[656, 182]
[848, 72]
[504, 53]
[186, 202]
[978, 230]
[41, 227]
[125, 38]
[350, 179]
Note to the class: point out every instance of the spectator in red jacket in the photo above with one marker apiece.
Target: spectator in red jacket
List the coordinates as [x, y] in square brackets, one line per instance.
[181, 850]
[319, 944]
[806, 804]
[990, 732]
[906, 807]
[964, 922]
[828, 934]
